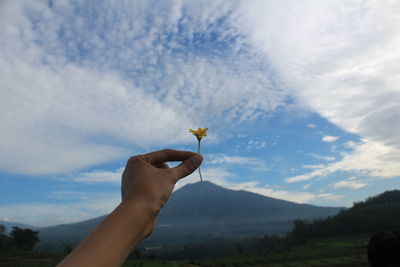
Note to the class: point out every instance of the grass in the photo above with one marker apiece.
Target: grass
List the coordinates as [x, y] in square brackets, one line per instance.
[154, 263]
[337, 251]
[28, 258]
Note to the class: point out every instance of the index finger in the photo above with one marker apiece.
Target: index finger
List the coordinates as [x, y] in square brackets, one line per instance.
[167, 155]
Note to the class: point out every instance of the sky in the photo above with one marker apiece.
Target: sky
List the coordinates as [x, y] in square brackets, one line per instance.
[301, 98]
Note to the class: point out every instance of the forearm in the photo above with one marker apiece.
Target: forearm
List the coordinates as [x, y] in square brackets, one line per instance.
[114, 238]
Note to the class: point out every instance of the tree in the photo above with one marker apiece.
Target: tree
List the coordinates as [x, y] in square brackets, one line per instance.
[4, 239]
[24, 238]
[239, 248]
[300, 230]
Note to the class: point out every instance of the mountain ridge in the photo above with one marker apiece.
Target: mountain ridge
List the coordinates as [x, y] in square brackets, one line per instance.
[210, 200]
[204, 210]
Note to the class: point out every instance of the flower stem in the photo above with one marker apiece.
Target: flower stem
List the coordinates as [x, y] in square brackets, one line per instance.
[198, 151]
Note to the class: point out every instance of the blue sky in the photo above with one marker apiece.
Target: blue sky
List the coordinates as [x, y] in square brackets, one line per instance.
[301, 99]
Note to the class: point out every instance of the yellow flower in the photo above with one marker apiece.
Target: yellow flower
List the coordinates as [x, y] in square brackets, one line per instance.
[199, 133]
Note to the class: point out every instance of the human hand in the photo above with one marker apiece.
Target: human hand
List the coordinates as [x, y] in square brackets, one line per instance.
[148, 181]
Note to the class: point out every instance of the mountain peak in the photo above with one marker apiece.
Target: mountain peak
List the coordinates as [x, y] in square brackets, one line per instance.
[200, 188]
[201, 184]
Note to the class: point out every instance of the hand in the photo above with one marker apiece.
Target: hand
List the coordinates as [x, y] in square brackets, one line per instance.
[147, 183]
[148, 180]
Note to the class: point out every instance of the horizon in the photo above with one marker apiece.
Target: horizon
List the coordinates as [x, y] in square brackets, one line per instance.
[299, 107]
[184, 186]
[188, 184]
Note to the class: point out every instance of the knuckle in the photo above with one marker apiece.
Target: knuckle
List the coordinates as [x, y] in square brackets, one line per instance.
[167, 150]
[134, 159]
[186, 169]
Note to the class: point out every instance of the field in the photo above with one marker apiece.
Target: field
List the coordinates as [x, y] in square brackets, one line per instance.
[338, 251]
[344, 251]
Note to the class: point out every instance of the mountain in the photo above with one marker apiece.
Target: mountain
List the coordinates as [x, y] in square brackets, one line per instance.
[207, 202]
[201, 211]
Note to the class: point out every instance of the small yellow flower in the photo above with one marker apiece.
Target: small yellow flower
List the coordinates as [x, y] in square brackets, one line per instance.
[200, 133]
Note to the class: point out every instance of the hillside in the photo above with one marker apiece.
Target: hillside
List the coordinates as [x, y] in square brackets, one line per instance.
[378, 213]
[202, 211]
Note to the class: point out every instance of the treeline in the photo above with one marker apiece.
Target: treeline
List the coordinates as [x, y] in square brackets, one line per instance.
[378, 213]
[214, 248]
[20, 239]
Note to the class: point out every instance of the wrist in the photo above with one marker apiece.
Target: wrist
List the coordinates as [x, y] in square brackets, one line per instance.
[148, 207]
[141, 214]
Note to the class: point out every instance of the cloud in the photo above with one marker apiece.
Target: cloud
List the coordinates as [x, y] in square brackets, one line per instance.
[294, 196]
[82, 89]
[81, 206]
[340, 60]
[369, 158]
[322, 157]
[350, 144]
[100, 176]
[254, 144]
[317, 166]
[311, 125]
[349, 184]
[306, 186]
[253, 163]
[329, 138]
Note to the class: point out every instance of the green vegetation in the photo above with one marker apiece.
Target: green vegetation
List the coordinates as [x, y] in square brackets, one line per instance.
[378, 213]
[24, 258]
[20, 239]
[337, 251]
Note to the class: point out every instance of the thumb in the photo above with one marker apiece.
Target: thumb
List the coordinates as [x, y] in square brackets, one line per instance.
[188, 166]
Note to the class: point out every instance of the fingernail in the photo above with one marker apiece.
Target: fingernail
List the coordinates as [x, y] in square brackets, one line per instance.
[197, 159]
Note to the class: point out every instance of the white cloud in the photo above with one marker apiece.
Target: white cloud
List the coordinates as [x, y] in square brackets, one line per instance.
[70, 83]
[341, 60]
[311, 125]
[329, 196]
[350, 144]
[254, 163]
[77, 94]
[294, 196]
[82, 207]
[317, 166]
[329, 138]
[306, 186]
[255, 144]
[100, 176]
[369, 158]
[322, 157]
[349, 184]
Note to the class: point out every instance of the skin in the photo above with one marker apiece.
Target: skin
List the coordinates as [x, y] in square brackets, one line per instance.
[147, 183]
